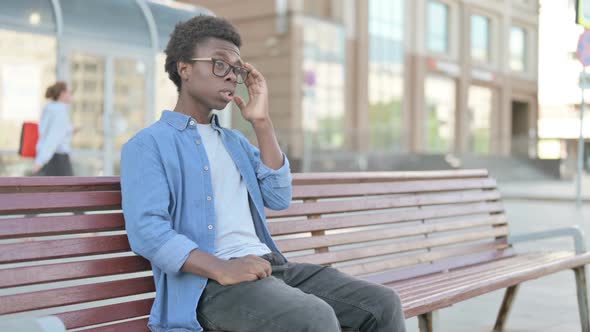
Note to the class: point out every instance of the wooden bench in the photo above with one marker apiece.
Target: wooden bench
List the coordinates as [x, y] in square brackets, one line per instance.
[437, 238]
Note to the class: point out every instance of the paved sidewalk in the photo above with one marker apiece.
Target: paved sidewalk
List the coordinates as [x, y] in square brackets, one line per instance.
[556, 190]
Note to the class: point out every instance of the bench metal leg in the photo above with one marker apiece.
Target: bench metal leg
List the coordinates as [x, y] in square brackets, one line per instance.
[428, 322]
[505, 308]
[582, 291]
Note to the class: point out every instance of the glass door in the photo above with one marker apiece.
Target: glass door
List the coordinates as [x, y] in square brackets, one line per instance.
[110, 104]
[129, 105]
[87, 80]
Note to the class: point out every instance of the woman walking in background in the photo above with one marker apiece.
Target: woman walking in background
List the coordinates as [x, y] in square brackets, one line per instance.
[55, 134]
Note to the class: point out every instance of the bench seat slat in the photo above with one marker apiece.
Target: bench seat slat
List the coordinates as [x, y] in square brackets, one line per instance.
[399, 262]
[75, 294]
[372, 251]
[466, 270]
[364, 204]
[105, 314]
[29, 203]
[466, 276]
[57, 225]
[367, 219]
[379, 188]
[73, 270]
[450, 285]
[356, 236]
[138, 325]
[446, 298]
[50, 249]
[438, 267]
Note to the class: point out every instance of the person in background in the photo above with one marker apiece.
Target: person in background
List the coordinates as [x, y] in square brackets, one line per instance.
[55, 134]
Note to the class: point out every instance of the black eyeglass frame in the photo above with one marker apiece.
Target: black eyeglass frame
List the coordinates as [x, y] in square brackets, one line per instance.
[229, 67]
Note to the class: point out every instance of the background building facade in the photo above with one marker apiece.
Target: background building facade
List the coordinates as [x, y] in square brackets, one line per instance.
[354, 84]
[365, 85]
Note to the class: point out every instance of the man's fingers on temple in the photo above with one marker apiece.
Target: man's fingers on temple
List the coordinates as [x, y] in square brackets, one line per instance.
[253, 71]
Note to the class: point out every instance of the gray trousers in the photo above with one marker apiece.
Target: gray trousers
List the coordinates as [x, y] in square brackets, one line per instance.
[301, 297]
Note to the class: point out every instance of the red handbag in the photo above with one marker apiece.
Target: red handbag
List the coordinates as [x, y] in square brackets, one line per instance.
[29, 136]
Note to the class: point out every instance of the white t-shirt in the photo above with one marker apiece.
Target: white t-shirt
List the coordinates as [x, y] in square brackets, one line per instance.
[235, 235]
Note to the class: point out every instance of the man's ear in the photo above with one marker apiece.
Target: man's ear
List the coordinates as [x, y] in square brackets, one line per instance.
[183, 70]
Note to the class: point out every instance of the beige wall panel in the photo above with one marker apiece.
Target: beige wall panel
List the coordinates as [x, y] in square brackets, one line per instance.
[279, 86]
[238, 10]
[258, 29]
[271, 66]
[270, 45]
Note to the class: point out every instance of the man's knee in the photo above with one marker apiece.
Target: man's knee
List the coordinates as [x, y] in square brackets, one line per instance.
[391, 302]
[316, 315]
[390, 311]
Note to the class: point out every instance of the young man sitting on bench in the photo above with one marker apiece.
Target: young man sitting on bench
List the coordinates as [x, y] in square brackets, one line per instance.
[194, 195]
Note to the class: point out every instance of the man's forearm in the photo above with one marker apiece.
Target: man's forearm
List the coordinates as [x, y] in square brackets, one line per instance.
[270, 152]
[202, 264]
[247, 268]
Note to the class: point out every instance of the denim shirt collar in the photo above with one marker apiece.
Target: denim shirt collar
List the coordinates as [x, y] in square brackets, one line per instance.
[180, 121]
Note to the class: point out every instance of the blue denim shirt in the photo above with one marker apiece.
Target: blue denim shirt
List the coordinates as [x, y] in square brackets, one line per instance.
[169, 209]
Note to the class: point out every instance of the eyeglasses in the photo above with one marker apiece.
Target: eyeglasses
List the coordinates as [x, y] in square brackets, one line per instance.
[222, 68]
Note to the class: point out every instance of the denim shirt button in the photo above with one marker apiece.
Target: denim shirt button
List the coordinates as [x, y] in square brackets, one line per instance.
[206, 168]
[210, 227]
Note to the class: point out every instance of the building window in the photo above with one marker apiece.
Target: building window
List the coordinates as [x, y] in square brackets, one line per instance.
[479, 105]
[518, 48]
[438, 27]
[386, 58]
[440, 114]
[323, 83]
[480, 38]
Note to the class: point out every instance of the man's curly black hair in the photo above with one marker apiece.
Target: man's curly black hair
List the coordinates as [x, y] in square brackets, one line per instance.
[188, 34]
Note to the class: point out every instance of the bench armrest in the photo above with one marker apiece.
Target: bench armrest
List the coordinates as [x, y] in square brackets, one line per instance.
[574, 231]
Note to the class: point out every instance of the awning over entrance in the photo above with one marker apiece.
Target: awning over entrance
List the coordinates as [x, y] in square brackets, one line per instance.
[140, 23]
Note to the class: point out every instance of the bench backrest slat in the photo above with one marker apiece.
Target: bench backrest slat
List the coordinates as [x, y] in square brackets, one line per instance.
[105, 314]
[59, 183]
[371, 218]
[60, 225]
[315, 242]
[378, 203]
[27, 203]
[362, 177]
[75, 294]
[368, 223]
[377, 188]
[62, 248]
[30, 275]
